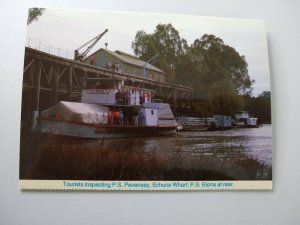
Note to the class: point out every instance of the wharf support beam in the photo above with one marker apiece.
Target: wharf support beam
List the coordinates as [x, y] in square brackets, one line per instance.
[49, 79]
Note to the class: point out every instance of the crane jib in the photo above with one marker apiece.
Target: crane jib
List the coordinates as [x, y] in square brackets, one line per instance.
[80, 56]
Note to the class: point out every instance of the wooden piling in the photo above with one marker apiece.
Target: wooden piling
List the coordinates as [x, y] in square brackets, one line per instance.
[55, 80]
[70, 82]
[50, 73]
[38, 87]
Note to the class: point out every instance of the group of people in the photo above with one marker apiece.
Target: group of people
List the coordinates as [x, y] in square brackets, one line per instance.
[139, 119]
[123, 97]
[117, 117]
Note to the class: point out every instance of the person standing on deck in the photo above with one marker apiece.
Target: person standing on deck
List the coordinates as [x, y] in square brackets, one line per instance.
[113, 114]
[141, 98]
[124, 97]
[129, 117]
[128, 97]
[118, 97]
[117, 117]
[135, 119]
[121, 120]
[141, 119]
[109, 117]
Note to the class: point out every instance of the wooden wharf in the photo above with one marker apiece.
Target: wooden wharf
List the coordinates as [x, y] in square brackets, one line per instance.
[48, 79]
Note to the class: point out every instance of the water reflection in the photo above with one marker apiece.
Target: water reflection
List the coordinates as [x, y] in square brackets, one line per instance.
[241, 154]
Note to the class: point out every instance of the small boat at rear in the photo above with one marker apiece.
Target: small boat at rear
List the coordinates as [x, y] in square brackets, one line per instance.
[243, 119]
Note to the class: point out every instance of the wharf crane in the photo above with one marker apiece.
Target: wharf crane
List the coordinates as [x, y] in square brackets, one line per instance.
[80, 56]
[149, 61]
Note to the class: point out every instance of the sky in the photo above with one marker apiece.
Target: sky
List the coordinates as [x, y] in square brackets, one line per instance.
[60, 32]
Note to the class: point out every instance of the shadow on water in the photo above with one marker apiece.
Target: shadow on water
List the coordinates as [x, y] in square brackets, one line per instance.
[233, 155]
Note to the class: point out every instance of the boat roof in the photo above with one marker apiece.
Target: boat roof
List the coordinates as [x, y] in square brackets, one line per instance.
[119, 105]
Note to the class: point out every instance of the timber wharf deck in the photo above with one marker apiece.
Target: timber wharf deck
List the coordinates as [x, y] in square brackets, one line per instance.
[48, 79]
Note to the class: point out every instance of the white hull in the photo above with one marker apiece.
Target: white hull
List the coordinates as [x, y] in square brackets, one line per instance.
[75, 129]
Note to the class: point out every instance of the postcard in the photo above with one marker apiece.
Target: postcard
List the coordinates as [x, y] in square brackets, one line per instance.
[123, 101]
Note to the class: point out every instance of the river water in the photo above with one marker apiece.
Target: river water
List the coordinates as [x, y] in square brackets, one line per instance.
[238, 154]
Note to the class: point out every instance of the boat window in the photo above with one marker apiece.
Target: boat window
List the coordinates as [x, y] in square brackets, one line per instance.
[152, 112]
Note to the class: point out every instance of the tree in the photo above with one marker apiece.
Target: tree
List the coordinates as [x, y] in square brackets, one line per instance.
[223, 100]
[192, 70]
[216, 71]
[167, 42]
[34, 14]
[224, 63]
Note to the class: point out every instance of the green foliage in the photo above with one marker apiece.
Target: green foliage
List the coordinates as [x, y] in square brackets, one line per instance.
[34, 14]
[193, 71]
[216, 62]
[223, 99]
[166, 41]
[216, 71]
[200, 108]
[260, 106]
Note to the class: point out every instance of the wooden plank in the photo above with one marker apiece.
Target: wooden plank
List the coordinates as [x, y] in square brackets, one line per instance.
[27, 87]
[37, 87]
[55, 82]
[50, 73]
[171, 92]
[76, 80]
[62, 73]
[28, 65]
[84, 81]
[70, 82]
[44, 71]
[31, 78]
